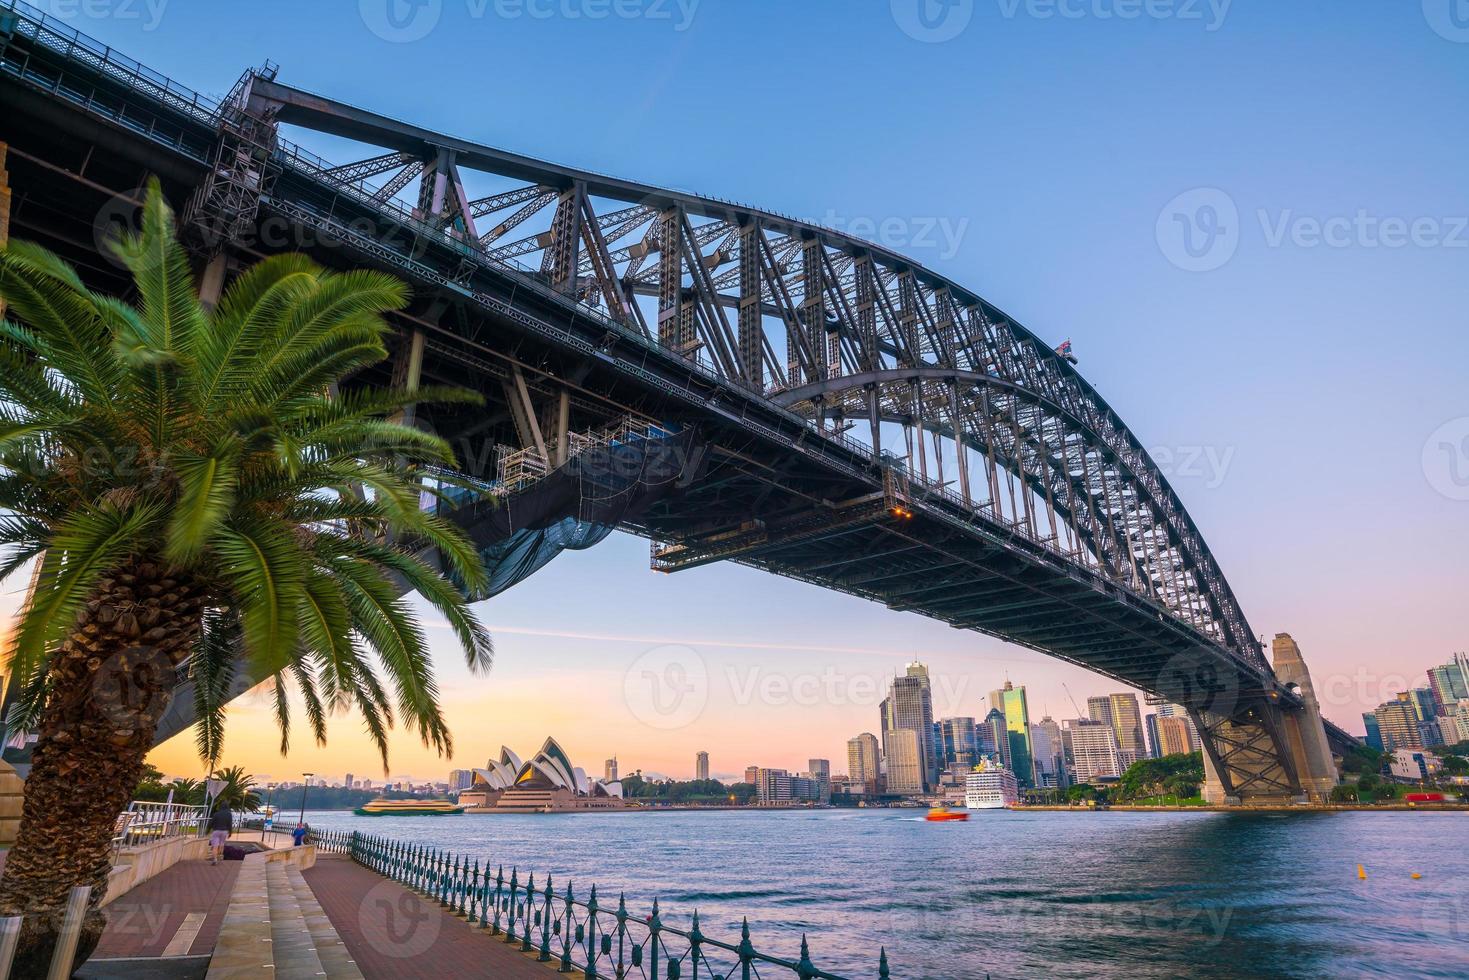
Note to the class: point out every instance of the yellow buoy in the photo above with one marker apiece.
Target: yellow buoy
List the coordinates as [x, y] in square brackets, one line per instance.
[1416, 875]
[1361, 872]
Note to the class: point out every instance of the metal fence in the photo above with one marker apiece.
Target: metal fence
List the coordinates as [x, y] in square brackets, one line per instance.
[144, 822]
[600, 939]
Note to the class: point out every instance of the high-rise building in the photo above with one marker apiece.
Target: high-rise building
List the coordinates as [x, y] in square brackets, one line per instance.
[1093, 750]
[1045, 740]
[1177, 711]
[1127, 723]
[903, 753]
[1017, 730]
[1448, 684]
[701, 765]
[1150, 725]
[459, 779]
[752, 775]
[958, 744]
[1172, 736]
[1421, 698]
[909, 707]
[772, 786]
[863, 765]
[609, 770]
[1099, 709]
[820, 768]
[994, 736]
[348, 782]
[1374, 732]
[1397, 721]
[1455, 724]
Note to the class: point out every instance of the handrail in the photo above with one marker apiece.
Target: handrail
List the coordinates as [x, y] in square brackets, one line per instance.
[576, 934]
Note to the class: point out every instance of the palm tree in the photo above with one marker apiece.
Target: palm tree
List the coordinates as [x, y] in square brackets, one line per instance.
[239, 790]
[192, 495]
[189, 792]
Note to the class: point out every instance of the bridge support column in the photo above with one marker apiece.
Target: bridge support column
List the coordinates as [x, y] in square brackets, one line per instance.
[1304, 730]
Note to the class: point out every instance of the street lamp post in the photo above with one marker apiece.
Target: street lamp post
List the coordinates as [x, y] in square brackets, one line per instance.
[305, 783]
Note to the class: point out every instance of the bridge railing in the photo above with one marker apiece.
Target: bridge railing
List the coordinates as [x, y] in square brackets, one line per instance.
[590, 935]
[47, 33]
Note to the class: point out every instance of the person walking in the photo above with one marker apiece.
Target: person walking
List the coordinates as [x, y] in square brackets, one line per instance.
[298, 836]
[220, 825]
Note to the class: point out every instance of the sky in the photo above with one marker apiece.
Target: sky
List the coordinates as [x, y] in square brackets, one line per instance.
[1249, 217]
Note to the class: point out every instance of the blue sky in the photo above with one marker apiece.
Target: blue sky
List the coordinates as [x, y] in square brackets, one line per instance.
[1045, 154]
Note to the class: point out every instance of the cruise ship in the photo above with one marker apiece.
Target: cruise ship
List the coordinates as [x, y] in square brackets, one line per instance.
[990, 787]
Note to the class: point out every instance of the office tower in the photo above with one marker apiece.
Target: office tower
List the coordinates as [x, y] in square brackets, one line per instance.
[909, 707]
[348, 781]
[1448, 684]
[1455, 724]
[1093, 750]
[752, 775]
[460, 779]
[1150, 723]
[1172, 737]
[1045, 740]
[1374, 732]
[996, 736]
[958, 744]
[773, 786]
[1397, 721]
[1177, 711]
[1099, 709]
[1421, 698]
[903, 753]
[609, 770]
[1017, 728]
[701, 765]
[862, 762]
[1127, 723]
[820, 768]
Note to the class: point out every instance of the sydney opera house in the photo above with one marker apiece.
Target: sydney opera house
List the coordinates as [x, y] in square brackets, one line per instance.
[546, 783]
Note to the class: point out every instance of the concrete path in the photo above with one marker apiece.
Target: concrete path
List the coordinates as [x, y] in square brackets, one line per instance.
[176, 913]
[392, 932]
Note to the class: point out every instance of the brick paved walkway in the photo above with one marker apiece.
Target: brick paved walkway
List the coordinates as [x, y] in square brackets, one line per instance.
[393, 933]
[146, 920]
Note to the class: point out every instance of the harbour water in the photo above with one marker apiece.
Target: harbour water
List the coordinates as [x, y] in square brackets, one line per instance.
[1015, 894]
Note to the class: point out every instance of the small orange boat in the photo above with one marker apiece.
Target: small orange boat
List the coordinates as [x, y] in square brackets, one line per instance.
[940, 814]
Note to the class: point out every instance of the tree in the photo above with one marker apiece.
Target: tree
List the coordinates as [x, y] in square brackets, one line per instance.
[1455, 765]
[192, 494]
[239, 790]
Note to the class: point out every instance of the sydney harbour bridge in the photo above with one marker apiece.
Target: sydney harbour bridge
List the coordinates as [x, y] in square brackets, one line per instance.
[821, 407]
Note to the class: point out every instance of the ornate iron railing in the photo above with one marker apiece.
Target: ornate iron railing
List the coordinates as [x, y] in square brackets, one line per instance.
[582, 934]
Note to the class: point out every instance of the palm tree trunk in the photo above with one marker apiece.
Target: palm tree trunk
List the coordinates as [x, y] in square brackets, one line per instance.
[110, 682]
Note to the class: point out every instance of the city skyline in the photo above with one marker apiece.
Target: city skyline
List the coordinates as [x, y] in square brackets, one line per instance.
[1258, 488]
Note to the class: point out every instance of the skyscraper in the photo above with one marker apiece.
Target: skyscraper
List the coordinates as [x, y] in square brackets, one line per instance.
[1172, 736]
[752, 775]
[1099, 709]
[609, 770]
[862, 761]
[1017, 727]
[1093, 750]
[1177, 711]
[1397, 722]
[995, 736]
[1374, 732]
[903, 753]
[909, 707]
[958, 744]
[1448, 684]
[701, 765]
[1045, 740]
[1127, 723]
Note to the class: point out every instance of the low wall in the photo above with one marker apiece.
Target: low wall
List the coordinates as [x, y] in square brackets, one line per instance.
[136, 865]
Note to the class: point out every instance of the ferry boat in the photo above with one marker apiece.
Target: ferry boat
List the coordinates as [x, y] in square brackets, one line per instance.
[941, 813]
[408, 808]
[990, 787]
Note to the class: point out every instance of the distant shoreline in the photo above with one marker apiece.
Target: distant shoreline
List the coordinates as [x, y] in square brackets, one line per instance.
[1278, 808]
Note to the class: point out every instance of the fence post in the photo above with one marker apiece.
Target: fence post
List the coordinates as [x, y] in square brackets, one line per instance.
[544, 955]
[805, 968]
[566, 923]
[510, 910]
[696, 938]
[474, 891]
[499, 898]
[590, 945]
[747, 951]
[882, 965]
[527, 918]
[655, 925]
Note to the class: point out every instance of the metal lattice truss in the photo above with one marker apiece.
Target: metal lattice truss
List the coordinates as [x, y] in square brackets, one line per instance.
[833, 327]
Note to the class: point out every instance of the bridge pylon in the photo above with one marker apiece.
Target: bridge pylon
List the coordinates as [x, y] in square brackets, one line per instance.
[1265, 750]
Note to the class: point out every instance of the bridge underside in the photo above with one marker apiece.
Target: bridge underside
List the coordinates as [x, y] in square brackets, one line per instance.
[778, 491]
